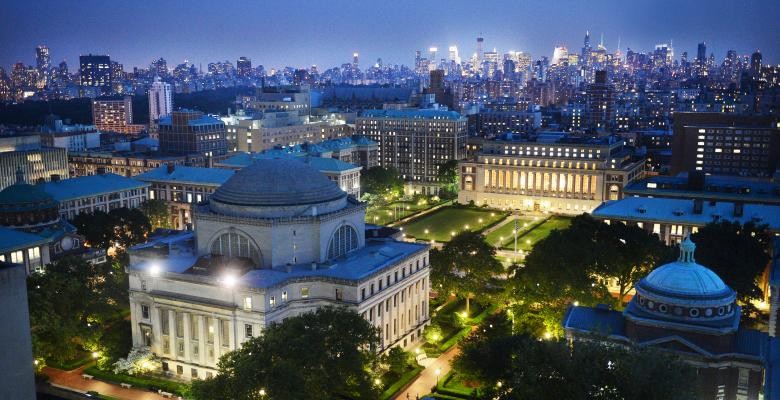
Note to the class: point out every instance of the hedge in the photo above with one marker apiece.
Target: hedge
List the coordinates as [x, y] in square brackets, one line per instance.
[407, 377]
[138, 381]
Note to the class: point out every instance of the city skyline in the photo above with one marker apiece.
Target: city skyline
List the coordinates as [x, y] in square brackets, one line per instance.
[198, 32]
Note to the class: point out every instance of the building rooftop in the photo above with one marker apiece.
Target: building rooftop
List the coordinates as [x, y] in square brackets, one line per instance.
[721, 187]
[91, 185]
[14, 240]
[598, 320]
[681, 211]
[183, 174]
[354, 266]
[412, 114]
[322, 164]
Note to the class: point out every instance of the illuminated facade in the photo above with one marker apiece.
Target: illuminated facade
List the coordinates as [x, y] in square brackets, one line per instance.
[115, 115]
[95, 71]
[550, 173]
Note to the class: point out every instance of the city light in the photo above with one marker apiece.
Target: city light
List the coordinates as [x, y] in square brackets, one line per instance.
[229, 280]
[155, 269]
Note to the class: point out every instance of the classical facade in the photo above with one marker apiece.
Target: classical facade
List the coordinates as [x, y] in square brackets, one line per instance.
[87, 194]
[549, 173]
[685, 308]
[276, 240]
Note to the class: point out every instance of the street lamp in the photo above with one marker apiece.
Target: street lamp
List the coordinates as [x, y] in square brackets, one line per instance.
[261, 392]
[437, 372]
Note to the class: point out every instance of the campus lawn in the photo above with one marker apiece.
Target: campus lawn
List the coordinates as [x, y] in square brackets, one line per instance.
[505, 231]
[394, 211]
[441, 224]
[540, 232]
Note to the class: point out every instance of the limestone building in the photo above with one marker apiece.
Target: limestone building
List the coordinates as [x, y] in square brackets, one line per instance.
[277, 239]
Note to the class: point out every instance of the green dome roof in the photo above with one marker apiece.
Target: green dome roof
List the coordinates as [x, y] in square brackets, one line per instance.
[25, 197]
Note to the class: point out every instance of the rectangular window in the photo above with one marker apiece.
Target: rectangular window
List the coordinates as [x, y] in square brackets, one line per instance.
[144, 311]
[164, 322]
[194, 373]
[248, 303]
[17, 257]
[339, 294]
[209, 330]
[179, 370]
[224, 332]
[305, 292]
[194, 327]
[248, 330]
[272, 301]
[284, 296]
[179, 325]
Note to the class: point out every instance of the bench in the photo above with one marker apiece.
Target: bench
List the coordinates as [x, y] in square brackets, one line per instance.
[165, 394]
[87, 376]
[126, 385]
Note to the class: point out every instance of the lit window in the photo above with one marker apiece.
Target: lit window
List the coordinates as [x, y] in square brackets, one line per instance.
[247, 303]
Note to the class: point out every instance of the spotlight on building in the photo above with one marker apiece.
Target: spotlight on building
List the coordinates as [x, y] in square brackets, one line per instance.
[155, 269]
[229, 280]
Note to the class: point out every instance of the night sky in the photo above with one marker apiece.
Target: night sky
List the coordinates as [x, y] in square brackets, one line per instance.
[326, 33]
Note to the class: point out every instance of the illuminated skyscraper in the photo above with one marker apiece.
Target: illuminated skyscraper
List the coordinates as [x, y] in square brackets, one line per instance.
[755, 63]
[43, 62]
[701, 53]
[244, 67]
[560, 55]
[454, 54]
[160, 101]
[95, 71]
[601, 102]
[480, 50]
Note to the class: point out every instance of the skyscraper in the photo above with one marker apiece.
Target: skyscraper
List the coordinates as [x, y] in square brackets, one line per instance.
[115, 115]
[454, 54]
[187, 132]
[160, 101]
[95, 71]
[480, 50]
[244, 67]
[600, 102]
[560, 54]
[755, 63]
[701, 53]
[43, 62]
[586, 48]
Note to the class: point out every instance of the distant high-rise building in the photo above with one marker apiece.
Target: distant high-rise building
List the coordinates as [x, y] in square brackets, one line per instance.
[600, 102]
[160, 101]
[442, 94]
[43, 63]
[586, 48]
[755, 63]
[186, 132]
[95, 71]
[114, 115]
[560, 55]
[355, 61]
[244, 67]
[454, 54]
[701, 53]
[159, 67]
[480, 50]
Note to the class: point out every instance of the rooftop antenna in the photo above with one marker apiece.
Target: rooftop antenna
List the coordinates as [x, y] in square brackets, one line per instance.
[618, 47]
[601, 43]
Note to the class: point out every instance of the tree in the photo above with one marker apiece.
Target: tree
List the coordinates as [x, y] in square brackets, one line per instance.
[121, 226]
[71, 304]
[738, 254]
[326, 354]
[448, 177]
[157, 212]
[466, 265]
[549, 369]
[383, 182]
[397, 360]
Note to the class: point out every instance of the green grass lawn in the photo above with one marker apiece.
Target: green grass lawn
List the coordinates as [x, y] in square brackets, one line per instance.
[394, 211]
[503, 235]
[441, 224]
[540, 232]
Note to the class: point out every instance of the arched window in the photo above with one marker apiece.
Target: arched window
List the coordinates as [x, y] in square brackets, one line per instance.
[344, 240]
[234, 244]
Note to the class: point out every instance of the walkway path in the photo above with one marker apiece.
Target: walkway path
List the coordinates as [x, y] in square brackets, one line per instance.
[419, 214]
[73, 380]
[427, 378]
[510, 218]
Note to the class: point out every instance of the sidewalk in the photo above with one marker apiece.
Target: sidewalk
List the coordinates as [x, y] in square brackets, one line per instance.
[427, 379]
[73, 380]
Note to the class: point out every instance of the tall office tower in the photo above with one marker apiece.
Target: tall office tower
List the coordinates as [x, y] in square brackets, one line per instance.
[600, 103]
[160, 101]
[95, 71]
[701, 53]
[186, 132]
[684, 58]
[244, 67]
[159, 67]
[586, 48]
[417, 61]
[442, 94]
[43, 62]
[433, 49]
[454, 54]
[5, 86]
[416, 142]
[560, 54]
[114, 115]
[755, 63]
[355, 61]
[480, 50]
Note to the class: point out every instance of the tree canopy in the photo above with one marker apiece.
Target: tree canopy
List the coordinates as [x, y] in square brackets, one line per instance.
[448, 178]
[326, 354]
[157, 212]
[522, 367]
[382, 181]
[738, 254]
[466, 265]
[121, 226]
[71, 305]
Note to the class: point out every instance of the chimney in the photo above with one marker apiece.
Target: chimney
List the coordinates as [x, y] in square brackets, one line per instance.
[739, 209]
[101, 170]
[170, 167]
[698, 206]
[55, 177]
